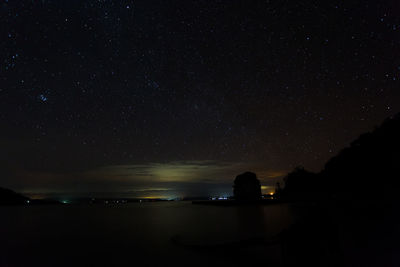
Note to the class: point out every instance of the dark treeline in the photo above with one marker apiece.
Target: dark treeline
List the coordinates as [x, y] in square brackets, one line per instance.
[368, 169]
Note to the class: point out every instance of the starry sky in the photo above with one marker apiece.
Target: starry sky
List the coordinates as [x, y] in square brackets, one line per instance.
[176, 98]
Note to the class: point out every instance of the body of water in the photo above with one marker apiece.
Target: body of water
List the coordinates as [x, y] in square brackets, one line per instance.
[142, 234]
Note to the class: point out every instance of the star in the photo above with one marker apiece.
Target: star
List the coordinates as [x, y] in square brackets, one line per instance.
[42, 98]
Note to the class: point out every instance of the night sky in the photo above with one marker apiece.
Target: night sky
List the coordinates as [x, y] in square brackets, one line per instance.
[176, 98]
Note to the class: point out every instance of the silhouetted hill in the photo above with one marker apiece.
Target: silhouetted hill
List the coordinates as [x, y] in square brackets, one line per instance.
[368, 169]
[9, 197]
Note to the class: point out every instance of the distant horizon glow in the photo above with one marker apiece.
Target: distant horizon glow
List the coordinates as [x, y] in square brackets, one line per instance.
[165, 180]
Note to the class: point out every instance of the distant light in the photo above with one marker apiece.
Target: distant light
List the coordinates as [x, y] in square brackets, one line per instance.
[28, 202]
[65, 201]
[271, 194]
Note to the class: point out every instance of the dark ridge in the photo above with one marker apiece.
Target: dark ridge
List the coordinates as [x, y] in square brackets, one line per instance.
[367, 169]
[9, 197]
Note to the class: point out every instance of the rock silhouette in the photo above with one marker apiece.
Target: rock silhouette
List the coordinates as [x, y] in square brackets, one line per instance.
[247, 187]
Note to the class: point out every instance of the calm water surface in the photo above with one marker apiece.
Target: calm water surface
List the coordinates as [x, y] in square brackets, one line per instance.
[139, 233]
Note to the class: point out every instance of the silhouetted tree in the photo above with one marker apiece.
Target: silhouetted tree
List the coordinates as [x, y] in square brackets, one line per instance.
[278, 190]
[301, 184]
[247, 187]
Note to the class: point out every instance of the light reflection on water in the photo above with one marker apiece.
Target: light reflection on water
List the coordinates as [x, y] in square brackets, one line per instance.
[140, 230]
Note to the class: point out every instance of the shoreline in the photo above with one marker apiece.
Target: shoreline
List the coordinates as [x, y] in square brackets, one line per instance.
[230, 202]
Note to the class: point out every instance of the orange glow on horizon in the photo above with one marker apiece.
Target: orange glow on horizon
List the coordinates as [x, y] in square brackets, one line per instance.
[153, 197]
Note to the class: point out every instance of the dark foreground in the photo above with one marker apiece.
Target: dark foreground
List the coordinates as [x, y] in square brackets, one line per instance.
[181, 234]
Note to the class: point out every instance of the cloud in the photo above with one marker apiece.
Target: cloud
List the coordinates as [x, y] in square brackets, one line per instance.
[175, 178]
[175, 171]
